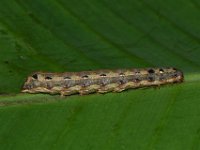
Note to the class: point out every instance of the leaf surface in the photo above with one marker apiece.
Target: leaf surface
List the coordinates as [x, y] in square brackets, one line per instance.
[60, 35]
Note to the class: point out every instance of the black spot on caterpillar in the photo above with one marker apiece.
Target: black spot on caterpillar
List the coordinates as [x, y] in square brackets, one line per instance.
[100, 81]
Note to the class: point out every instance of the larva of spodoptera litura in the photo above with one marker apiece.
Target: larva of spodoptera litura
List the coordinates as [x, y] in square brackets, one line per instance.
[100, 81]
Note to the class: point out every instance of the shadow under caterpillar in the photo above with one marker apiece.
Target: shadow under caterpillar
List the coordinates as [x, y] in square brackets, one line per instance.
[100, 81]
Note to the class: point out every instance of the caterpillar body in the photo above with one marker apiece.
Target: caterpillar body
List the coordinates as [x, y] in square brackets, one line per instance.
[100, 81]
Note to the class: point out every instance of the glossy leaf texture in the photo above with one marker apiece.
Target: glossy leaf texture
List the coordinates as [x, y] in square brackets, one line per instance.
[66, 35]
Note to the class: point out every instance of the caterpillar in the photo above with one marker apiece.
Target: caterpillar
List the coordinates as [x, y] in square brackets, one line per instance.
[100, 81]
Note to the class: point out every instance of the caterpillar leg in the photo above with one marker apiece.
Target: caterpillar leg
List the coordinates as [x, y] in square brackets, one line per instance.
[118, 89]
[89, 89]
[108, 88]
[85, 92]
[70, 91]
[67, 92]
[129, 85]
[125, 86]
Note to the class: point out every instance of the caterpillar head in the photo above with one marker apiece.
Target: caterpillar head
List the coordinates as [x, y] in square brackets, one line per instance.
[37, 82]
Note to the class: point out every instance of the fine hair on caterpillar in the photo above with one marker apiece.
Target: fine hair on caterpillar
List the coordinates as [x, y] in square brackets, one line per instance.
[100, 81]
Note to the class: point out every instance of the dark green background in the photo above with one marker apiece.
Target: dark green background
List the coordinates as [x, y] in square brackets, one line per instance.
[72, 35]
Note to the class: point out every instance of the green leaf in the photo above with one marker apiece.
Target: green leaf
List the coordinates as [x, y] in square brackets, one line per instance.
[66, 35]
